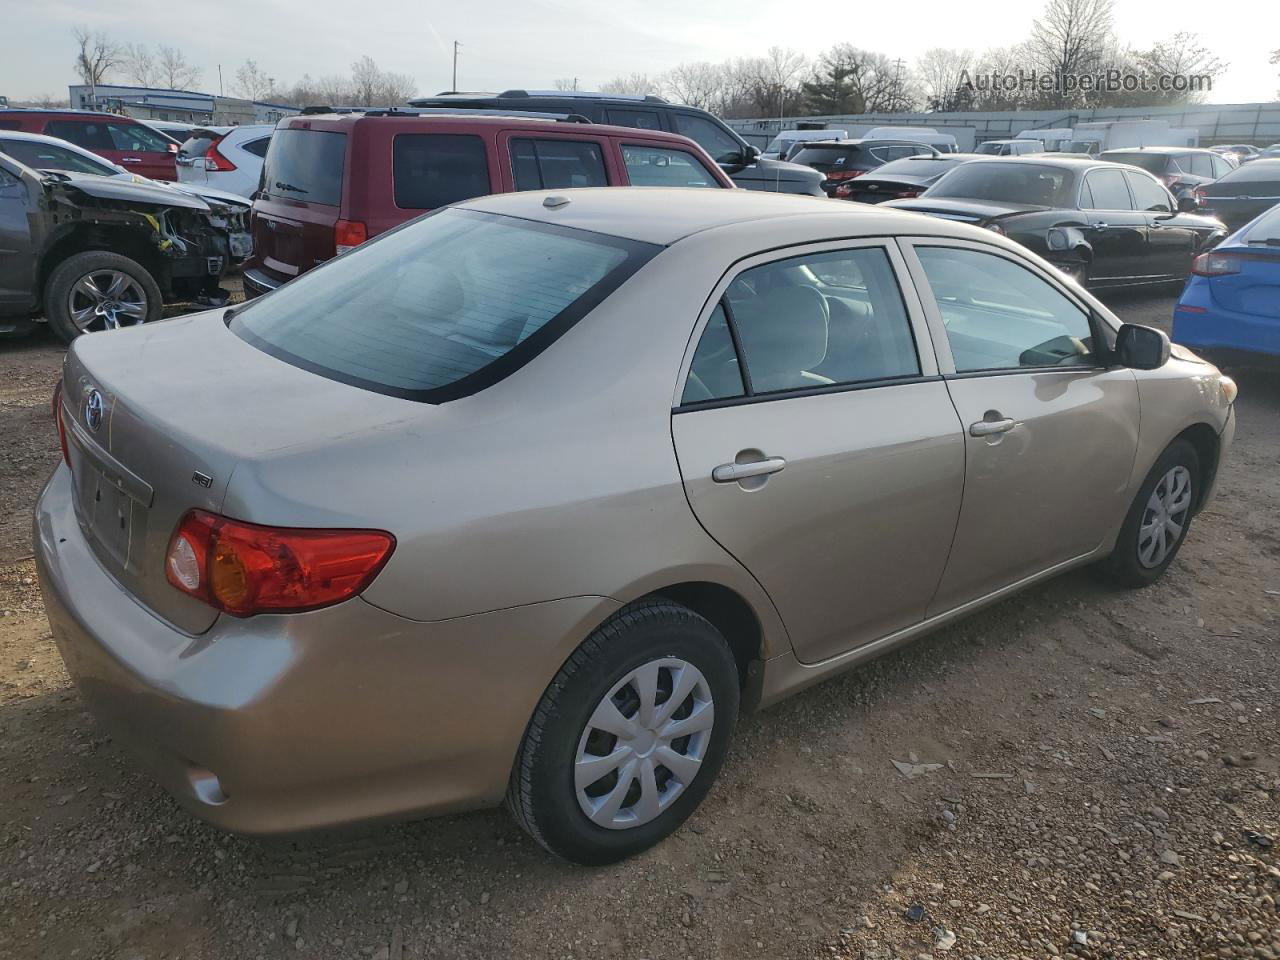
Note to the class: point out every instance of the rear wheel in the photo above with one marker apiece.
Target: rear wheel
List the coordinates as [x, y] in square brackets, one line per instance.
[97, 290]
[629, 737]
[1158, 520]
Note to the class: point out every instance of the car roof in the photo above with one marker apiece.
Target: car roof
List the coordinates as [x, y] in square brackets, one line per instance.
[664, 215]
[66, 112]
[863, 141]
[331, 121]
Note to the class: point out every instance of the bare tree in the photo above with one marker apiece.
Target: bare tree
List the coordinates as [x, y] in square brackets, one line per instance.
[703, 85]
[334, 91]
[633, 84]
[252, 83]
[1070, 38]
[1275, 60]
[566, 83]
[396, 88]
[96, 55]
[849, 80]
[173, 70]
[366, 81]
[941, 71]
[138, 63]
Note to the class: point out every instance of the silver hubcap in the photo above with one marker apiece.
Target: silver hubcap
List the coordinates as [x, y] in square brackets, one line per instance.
[644, 744]
[1165, 517]
[105, 300]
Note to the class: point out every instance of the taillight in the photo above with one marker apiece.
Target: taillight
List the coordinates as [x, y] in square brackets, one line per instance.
[1215, 265]
[245, 568]
[908, 194]
[349, 234]
[215, 161]
[844, 174]
[62, 427]
[1201, 199]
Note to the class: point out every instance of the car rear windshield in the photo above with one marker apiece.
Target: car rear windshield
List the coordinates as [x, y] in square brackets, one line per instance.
[443, 306]
[1150, 162]
[198, 143]
[306, 165]
[1002, 182]
[1265, 171]
[826, 158]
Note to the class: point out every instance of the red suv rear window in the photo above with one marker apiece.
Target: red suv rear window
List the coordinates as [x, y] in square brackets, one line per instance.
[306, 165]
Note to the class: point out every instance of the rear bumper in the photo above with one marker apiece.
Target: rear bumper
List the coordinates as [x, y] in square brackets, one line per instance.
[1223, 334]
[256, 283]
[282, 723]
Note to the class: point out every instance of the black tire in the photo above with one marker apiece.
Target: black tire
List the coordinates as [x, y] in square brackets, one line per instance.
[542, 795]
[68, 273]
[1124, 568]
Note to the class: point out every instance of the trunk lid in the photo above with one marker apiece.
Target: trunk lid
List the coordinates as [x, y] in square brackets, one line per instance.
[290, 238]
[965, 211]
[1255, 290]
[158, 418]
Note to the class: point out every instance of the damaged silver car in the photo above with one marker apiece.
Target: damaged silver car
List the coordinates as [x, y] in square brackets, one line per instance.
[95, 253]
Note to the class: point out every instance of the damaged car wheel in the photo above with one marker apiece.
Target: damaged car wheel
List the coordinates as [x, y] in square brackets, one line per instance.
[97, 290]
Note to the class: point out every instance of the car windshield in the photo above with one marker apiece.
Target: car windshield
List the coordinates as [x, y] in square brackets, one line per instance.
[443, 306]
[990, 149]
[1080, 146]
[1150, 162]
[1031, 183]
[48, 156]
[1258, 171]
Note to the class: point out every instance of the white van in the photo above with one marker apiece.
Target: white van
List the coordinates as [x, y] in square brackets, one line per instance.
[781, 144]
[1053, 138]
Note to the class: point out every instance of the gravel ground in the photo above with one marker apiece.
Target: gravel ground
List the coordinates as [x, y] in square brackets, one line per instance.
[1079, 772]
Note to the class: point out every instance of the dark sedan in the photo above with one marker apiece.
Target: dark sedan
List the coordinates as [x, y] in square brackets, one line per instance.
[1243, 194]
[1105, 224]
[900, 179]
[842, 160]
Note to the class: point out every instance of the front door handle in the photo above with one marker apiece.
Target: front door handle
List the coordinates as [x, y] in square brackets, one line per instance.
[130, 159]
[1099, 226]
[986, 428]
[732, 472]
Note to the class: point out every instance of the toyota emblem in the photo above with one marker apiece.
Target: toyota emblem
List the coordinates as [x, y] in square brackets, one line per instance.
[93, 410]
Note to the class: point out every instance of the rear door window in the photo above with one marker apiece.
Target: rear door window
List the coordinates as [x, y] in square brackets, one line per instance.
[257, 147]
[433, 170]
[447, 305]
[555, 164]
[306, 165]
[664, 167]
[91, 136]
[1108, 191]
[644, 119]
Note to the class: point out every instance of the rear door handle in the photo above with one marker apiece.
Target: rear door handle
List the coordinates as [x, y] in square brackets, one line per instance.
[985, 428]
[732, 472]
[130, 159]
[1099, 226]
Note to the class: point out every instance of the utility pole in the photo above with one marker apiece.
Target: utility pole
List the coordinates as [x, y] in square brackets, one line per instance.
[897, 85]
[220, 93]
[456, 45]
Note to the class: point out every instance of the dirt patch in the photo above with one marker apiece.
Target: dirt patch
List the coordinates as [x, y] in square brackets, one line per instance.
[1107, 787]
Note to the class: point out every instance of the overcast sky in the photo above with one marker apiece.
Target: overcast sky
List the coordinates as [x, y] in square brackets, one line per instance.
[530, 43]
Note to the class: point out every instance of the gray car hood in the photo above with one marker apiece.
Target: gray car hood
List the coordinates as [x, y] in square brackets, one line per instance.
[132, 190]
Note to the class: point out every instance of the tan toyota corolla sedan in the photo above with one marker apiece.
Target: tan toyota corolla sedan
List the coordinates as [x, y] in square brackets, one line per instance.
[528, 498]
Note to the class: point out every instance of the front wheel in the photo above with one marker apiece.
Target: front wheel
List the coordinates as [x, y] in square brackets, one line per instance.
[98, 290]
[629, 736]
[1158, 520]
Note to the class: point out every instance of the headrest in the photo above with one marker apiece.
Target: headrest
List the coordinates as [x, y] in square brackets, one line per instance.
[783, 333]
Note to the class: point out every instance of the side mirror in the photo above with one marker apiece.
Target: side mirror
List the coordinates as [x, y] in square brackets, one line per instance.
[752, 154]
[1187, 205]
[1141, 348]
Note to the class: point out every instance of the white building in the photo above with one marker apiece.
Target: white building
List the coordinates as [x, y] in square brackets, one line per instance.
[150, 103]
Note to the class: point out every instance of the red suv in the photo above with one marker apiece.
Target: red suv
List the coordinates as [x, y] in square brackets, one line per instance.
[332, 181]
[122, 140]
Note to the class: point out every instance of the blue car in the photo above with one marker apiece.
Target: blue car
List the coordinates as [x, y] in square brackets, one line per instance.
[1230, 308]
